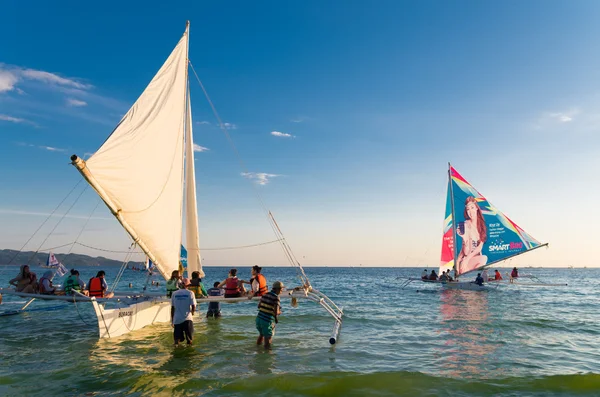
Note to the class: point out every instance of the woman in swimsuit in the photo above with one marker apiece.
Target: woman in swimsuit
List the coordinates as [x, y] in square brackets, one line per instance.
[474, 236]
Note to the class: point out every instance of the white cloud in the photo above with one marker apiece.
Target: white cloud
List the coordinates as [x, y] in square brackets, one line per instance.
[203, 122]
[230, 126]
[52, 149]
[299, 119]
[8, 80]
[4, 117]
[564, 117]
[51, 78]
[282, 134]
[11, 75]
[261, 178]
[198, 148]
[75, 102]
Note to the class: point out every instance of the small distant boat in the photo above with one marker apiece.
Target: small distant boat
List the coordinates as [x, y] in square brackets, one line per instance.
[476, 236]
[53, 263]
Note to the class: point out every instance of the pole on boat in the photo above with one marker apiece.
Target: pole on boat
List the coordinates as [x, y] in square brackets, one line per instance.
[336, 329]
[28, 303]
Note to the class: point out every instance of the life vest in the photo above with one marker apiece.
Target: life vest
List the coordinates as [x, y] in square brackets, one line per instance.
[95, 287]
[514, 274]
[172, 287]
[41, 285]
[231, 286]
[262, 285]
[196, 289]
[498, 276]
[72, 284]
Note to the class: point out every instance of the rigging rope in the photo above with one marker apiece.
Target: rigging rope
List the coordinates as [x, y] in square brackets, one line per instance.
[58, 223]
[280, 237]
[43, 223]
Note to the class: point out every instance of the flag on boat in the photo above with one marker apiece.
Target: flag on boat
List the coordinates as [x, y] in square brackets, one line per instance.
[476, 234]
[149, 265]
[183, 263]
[58, 267]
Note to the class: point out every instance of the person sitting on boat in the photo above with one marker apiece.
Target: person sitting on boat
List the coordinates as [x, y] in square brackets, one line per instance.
[233, 287]
[45, 284]
[424, 275]
[173, 283]
[74, 283]
[444, 276]
[197, 287]
[474, 235]
[497, 275]
[258, 283]
[25, 281]
[214, 308]
[479, 279]
[514, 273]
[484, 275]
[269, 309]
[97, 286]
[433, 276]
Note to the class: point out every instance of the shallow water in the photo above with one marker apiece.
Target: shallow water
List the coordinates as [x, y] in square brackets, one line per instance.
[510, 342]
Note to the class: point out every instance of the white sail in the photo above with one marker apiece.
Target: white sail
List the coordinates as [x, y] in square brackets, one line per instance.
[138, 171]
[191, 210]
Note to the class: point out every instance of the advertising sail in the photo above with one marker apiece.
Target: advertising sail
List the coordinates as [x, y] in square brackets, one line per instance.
[480, 234]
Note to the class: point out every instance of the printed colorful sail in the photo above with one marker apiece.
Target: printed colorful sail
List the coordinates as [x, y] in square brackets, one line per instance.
[477, 234]
[183, 260]
[447, 261]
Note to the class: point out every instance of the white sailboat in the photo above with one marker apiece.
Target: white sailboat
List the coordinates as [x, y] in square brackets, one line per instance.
[476, 236]
[154, 200]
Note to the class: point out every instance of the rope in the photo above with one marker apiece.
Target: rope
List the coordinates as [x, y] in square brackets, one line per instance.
[280, 237]
[58, 223]
[82, 229]
[122, 269]
[46, 220]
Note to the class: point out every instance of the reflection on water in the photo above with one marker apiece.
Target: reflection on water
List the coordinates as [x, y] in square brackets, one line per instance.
[465, 319]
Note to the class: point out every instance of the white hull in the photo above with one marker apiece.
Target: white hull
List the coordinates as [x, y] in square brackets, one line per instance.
[468, 285]
[122, 320]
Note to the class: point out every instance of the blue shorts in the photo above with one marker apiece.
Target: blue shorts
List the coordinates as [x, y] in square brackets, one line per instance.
[265, 328]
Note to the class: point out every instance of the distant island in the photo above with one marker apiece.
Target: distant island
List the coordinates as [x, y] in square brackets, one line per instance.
[70, 261]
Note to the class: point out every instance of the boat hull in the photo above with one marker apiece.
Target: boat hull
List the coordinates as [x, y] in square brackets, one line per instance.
[467, 285]
[122, 320]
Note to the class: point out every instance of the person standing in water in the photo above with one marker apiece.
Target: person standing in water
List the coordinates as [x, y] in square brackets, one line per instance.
[269, 309]
[183, 306]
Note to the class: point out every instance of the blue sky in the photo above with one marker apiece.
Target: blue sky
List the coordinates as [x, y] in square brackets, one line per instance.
[377, 98]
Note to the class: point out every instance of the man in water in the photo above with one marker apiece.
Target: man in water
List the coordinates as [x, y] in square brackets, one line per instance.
[183, 306]
[269, 308]
[424, 275]
[479, 279]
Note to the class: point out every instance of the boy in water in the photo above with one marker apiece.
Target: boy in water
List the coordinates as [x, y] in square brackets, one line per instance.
[214, 308]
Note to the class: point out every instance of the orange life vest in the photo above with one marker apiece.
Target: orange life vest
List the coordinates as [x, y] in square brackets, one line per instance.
[95, 287]
[262, 285]
[231, 286]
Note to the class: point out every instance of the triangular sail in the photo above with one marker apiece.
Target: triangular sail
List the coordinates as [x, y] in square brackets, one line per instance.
[447, 259]
[481, 233]
[194, 263]
[138, 171]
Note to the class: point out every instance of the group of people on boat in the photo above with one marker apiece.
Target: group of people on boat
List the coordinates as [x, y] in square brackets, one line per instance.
[480, 279]
[26, 282]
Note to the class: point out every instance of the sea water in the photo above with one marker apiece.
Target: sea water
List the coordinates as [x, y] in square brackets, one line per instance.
[514, 341]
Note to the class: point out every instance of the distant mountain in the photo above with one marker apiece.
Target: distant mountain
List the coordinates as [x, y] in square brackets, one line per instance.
[70, 260]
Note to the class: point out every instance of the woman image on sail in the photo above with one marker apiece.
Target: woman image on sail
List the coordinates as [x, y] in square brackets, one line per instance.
[474, 234]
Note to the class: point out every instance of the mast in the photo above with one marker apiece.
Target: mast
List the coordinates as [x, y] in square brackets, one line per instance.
[453, 219]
